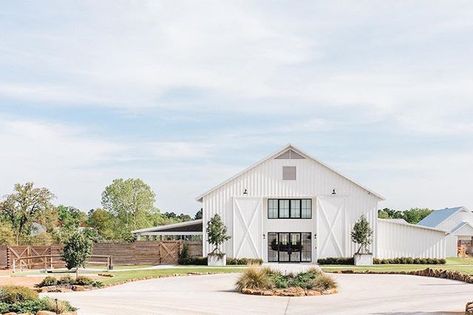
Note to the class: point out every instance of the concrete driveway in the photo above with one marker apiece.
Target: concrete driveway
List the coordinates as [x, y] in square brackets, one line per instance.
[213, 294]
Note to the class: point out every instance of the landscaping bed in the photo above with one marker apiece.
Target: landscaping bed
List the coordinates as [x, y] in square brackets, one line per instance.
[23, 300]
[66, 284]
[268, 282]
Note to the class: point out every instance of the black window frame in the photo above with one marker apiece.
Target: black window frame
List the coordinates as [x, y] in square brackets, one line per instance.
[290, 217]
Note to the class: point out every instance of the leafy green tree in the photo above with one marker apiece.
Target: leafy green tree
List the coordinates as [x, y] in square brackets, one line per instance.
[198, 215]
[216, 233]
[69, 219]
[25, 206]
[413, 216]
[7, 236]
[130, 201]
[76, 250]
[102, 222]
[361, 234]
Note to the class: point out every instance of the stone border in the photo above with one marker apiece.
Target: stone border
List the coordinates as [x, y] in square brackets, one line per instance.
[294, 291]
[429, 272]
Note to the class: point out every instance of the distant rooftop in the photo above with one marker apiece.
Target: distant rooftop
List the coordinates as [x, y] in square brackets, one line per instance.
[438, 216]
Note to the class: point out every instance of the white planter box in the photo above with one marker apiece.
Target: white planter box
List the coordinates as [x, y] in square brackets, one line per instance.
[216, 261]
[363, 259]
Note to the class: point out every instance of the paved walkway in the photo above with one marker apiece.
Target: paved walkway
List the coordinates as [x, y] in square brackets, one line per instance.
[213, 294]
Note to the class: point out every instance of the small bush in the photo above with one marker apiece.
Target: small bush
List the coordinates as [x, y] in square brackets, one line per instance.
[244, 261]
[193, 261]
[254, 278]
[82, 280]
[323, 282]
[410, 261]
[59, 307]
[12, 294]
[66, 280]
[47, 281]
[336, 261]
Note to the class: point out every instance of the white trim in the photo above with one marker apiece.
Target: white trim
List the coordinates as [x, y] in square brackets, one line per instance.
[168, 226]
[287, 147]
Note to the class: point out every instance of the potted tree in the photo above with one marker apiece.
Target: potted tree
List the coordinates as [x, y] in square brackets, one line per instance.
[216, 236]
[361, 235]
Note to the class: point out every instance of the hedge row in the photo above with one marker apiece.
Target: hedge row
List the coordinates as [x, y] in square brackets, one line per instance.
[230, 261]
[410, 261]
[336, 261]
[378, 261]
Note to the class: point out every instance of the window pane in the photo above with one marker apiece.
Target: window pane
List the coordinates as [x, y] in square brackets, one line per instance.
[284, 208]
[284, 246]
[306, 247]
[272, 208]
[273, 246]
[295, 208]
[306, 208]
[295, 247]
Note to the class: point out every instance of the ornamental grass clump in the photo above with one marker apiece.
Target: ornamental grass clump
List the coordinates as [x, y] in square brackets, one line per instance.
[254, 278]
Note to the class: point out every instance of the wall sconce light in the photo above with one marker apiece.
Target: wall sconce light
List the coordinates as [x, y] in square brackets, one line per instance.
[334, 192]
[245, 192]
[264, 236]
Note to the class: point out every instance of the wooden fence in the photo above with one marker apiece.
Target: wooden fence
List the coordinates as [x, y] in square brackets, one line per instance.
[136, 253]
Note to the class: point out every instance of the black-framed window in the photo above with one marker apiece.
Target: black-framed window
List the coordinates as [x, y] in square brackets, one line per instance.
[289, 208]
[289, 247]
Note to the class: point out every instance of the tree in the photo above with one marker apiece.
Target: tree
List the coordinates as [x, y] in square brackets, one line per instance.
[413, 215]
[23, 207]
[361, 234]
[198, 215]
[7, 236]
[216, 233]
[76, 250]
[130, 201]
[69, 219]
[102, 222]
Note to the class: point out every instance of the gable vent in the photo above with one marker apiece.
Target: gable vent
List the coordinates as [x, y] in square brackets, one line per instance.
[290, 155]
[289, 173]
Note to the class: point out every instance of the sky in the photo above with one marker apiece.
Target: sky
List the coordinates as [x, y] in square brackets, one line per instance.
[185, 94]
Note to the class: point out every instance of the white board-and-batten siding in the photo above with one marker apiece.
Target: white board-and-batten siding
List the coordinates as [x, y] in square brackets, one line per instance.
[408, 240]
[314, 180]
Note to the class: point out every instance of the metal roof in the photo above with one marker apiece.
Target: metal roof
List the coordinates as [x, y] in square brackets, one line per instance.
[438, 216]
[174, 227]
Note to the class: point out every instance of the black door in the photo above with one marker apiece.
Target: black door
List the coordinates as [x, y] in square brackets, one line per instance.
[289, 247]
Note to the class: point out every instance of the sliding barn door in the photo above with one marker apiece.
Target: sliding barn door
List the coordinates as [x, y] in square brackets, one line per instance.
[247, 227]
[331, 223]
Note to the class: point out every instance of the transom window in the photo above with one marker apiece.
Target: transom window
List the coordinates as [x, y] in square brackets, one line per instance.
[289, 208]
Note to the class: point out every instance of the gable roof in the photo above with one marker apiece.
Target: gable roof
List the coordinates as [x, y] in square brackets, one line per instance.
[277, 154]
[464, 228]
[438, 216]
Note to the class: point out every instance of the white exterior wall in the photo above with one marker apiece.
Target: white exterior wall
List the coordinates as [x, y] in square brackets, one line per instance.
[451, 245]
[314, 180]
[404, 240]
[454, 220]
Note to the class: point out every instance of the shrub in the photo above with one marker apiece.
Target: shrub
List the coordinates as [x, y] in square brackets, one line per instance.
[59, 307]
[336, 261]
[410, 260]
[47, 281]
[254, 278]
[81, 280]
[323, 282]
[193, 261]
[244, 261]
[12, 294]
[66, 280]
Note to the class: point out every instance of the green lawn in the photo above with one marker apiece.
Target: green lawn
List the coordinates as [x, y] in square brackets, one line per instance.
[464, 265]
[132, 275]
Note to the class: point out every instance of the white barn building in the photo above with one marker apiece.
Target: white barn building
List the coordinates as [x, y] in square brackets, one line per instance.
[458, 223]
[290, 207]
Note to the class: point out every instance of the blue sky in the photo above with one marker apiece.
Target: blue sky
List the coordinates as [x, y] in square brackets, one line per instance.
[185, 94]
